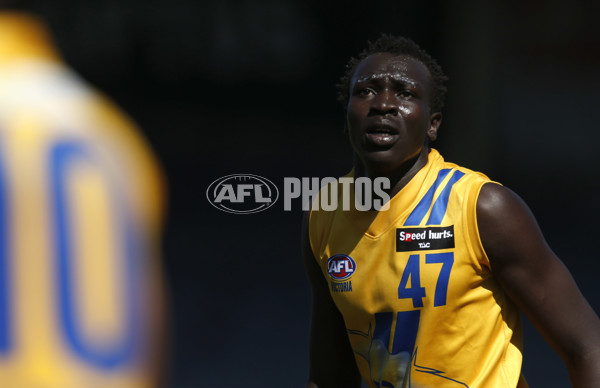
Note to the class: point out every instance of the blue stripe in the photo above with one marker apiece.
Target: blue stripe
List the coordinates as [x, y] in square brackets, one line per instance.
[383, 327]
[432, 371]
[407, 327]
[122, 350]
[441, 203]
[422, 208]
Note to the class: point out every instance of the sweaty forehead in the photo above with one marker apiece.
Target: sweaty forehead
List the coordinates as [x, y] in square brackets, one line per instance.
[384, 65]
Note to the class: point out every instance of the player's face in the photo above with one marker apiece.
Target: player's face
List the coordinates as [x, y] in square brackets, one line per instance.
[389, 115]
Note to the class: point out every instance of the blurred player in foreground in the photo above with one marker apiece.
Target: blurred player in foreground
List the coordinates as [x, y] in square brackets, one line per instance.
[81, 212]
[426, 294]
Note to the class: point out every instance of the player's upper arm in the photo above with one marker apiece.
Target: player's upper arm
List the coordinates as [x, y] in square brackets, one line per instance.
[332, 363]
[535, 278]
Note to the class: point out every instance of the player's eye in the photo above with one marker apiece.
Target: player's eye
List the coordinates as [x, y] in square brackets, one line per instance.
[365, 92]
[405, 94]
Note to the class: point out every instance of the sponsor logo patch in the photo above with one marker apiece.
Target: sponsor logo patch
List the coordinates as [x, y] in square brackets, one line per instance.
[340, 267]
[423, 239]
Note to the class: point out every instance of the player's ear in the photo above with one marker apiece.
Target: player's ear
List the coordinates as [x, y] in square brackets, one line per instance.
[435, 120]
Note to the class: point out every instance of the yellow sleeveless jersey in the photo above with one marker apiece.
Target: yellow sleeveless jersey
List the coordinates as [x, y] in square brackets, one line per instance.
[81, 206]
[415, 288]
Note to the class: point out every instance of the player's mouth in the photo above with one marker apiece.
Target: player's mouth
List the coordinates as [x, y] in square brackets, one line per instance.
[381, 135]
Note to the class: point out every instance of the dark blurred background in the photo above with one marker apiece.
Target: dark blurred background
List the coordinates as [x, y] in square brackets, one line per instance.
[234, 86]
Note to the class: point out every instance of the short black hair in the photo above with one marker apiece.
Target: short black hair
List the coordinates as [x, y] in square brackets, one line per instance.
[397, 45]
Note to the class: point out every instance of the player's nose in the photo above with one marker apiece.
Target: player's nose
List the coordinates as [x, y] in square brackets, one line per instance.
[384, 103]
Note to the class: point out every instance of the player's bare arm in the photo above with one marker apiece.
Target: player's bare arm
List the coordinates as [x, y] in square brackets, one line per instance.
[539, 283]
[332, 363]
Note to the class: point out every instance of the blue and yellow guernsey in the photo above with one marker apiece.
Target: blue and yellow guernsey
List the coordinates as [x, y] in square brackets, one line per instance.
[415, 287]
[81, 208]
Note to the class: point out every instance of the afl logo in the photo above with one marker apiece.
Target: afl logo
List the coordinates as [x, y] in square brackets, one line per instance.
[340, 267]
[242, 193]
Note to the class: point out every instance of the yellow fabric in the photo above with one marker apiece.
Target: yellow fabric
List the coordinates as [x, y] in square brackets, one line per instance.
[63, 143]
[23, 36]
[419, 314]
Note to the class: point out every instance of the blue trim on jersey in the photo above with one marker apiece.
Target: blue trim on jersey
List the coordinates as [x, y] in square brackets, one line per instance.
[407, 327]
[383, 327]
[404, 340]
[441, 203]
[405, 334]
[417, 215]
[432, 371]
[5, 325]
[122, 350]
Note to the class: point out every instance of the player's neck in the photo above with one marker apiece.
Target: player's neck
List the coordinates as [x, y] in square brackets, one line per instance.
[399, 176]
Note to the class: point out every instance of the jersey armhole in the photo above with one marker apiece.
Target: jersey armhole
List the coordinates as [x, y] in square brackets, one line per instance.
[472, 228]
